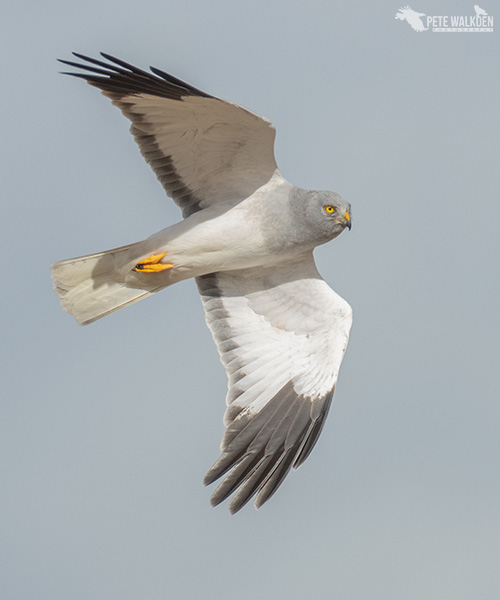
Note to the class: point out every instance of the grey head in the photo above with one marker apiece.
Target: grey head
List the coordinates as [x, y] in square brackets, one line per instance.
[302, 219]
[325, 215]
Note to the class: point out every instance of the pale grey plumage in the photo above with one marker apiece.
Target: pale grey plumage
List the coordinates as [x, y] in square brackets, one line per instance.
[247, 239]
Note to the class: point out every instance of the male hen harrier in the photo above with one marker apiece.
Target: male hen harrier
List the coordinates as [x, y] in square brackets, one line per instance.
[247, 238]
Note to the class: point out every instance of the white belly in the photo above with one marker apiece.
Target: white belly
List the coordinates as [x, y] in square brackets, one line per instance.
[221, 238]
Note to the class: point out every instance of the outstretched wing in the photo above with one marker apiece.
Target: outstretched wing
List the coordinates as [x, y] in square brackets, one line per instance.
[281, 333]
[202, 149]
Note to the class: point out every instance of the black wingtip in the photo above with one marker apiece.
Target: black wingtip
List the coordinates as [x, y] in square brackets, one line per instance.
[119, 78]
[234, 509]
[81, 56]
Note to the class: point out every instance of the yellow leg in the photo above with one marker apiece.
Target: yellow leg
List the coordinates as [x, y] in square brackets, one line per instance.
[152, 264]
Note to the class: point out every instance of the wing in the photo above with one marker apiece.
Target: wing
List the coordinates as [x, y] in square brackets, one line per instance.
[281, 335]
[202, 149]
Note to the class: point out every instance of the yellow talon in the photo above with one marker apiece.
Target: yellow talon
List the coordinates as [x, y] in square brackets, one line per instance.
[152, 264]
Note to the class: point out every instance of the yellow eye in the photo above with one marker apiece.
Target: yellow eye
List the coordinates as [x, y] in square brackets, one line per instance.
[329, 209]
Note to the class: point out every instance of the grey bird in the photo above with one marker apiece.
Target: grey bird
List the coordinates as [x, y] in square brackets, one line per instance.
[247, 237]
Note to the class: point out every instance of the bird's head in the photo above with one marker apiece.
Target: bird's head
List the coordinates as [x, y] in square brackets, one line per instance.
[329, 213]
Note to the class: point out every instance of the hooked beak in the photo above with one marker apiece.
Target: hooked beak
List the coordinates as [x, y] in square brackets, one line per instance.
[347, 217]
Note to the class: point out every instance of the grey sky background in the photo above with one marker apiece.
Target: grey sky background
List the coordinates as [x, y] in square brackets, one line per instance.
[106, 431]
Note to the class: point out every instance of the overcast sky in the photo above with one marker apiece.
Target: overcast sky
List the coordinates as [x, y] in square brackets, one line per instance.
[106, 431]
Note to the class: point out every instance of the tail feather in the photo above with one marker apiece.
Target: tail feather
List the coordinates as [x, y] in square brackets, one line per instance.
[90, 287]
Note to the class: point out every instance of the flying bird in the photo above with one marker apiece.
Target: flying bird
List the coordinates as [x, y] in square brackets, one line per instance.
[247, 237]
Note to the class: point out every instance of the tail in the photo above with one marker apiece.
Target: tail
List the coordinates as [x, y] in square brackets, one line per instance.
[90, 287]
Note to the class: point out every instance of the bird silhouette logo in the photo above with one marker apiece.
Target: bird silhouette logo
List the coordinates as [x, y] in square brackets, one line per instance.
[412, 17]
[480, 12]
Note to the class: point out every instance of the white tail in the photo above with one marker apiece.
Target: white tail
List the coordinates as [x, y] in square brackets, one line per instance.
[91, 287]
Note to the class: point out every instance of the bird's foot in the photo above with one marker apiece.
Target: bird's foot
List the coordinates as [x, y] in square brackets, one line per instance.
[152, 264]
